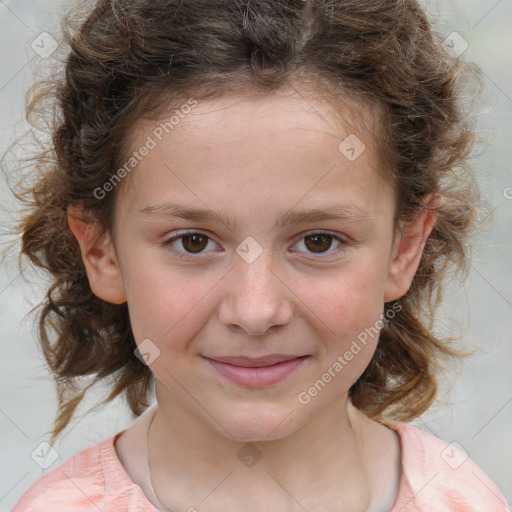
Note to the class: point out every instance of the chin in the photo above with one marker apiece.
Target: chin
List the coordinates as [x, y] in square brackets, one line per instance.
[258, 423]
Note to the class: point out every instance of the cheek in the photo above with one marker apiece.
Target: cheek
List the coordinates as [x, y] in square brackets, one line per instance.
[346, 303]
[165, 310]
[163, 301]
[347, 310]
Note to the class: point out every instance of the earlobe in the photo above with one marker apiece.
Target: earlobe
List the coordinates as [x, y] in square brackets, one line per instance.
[98, 255]
[407, 252]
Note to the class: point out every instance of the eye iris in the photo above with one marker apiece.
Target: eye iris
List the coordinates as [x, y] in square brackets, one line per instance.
[194, 243]
[323, 242]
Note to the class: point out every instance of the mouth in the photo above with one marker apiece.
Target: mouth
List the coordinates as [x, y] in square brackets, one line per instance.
[256, 372]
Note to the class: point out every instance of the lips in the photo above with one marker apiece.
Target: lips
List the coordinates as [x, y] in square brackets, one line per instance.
[253, 362]
[256, 372]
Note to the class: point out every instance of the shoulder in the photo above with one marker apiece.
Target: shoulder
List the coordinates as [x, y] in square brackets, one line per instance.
[437, 475]
[92, 480]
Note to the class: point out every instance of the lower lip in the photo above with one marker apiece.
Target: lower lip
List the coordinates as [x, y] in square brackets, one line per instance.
[257, 377]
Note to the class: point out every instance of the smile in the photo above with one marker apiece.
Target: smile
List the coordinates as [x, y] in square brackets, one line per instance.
[256, 372]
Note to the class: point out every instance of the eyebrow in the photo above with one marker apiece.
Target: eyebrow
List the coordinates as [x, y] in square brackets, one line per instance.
[347, 213]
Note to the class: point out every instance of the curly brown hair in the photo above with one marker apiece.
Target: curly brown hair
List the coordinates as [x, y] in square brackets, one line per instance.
[129, 59]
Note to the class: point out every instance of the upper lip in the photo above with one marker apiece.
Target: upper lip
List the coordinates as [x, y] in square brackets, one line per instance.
[249, 362]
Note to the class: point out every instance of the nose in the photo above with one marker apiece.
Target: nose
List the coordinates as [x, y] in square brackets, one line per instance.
[255, 299]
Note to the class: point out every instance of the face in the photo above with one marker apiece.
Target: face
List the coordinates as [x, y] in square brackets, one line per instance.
[255, 253]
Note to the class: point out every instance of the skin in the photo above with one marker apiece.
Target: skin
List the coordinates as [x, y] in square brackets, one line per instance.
[254, 160]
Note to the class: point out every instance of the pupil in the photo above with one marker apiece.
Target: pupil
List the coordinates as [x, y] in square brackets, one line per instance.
[195, 243]
[323, 242]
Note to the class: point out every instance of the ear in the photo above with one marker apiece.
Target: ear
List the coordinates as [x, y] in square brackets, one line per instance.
[407, 251]
[98, 255]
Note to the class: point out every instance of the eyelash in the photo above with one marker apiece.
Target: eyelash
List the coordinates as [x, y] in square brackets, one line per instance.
[168, 243]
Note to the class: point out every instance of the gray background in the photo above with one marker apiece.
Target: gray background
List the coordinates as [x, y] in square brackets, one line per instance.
[475, 408]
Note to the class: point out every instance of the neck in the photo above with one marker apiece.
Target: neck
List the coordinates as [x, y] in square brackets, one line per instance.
[321, 466]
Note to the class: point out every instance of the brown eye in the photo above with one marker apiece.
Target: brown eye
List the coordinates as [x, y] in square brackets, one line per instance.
[318, 243]
[188, 244]
[194, 243]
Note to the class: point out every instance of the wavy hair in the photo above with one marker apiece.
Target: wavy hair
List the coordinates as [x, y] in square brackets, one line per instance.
[128, 59]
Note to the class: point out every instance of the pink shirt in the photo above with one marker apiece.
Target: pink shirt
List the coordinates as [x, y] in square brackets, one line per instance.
[436, 477]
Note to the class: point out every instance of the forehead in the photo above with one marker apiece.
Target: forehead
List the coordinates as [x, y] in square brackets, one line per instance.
[295, 106]
[267, 143]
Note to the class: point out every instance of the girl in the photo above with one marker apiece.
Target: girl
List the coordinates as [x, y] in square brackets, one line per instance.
[252, 206]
